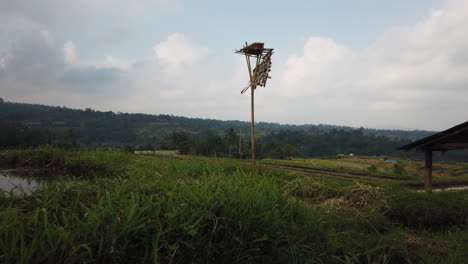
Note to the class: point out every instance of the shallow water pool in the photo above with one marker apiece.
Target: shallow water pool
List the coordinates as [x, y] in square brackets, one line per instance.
[18, 181]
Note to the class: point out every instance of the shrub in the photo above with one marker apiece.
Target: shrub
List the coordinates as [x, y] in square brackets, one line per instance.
[398, 169]
[432, 211]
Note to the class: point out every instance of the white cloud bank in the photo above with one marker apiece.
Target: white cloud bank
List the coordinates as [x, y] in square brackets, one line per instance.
[411, 76]
[414, 76]
[178, 51]
[317, 68]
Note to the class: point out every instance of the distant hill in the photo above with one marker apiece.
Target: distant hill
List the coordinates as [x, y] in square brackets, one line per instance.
[32, 124]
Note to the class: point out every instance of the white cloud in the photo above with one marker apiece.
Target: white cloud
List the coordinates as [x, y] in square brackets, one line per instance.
[69, 52]
[316, 69]
[178, 51]
[405, 75]
[429, 55]
[70, 56]
[188, 83]
[5, 59]
[113, 62]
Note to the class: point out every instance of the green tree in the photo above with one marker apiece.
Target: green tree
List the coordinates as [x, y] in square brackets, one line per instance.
[231, 139]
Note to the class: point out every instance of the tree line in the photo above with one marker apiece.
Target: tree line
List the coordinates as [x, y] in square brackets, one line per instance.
[30, 125]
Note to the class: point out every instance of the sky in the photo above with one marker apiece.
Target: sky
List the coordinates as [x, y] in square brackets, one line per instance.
[399, 64]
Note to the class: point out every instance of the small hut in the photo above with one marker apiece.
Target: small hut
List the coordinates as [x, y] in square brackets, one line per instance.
[450, 139]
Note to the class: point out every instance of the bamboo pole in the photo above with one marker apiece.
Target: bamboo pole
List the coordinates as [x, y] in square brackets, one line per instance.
[252, 129]
[253, 86]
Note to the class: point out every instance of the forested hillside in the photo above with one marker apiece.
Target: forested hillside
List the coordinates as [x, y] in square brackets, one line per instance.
[29, 125]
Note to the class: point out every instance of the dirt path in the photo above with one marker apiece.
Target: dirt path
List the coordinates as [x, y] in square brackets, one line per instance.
[439, 185]
[331, 173]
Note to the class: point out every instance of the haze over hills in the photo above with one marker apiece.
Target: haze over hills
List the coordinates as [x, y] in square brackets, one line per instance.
[26, 125]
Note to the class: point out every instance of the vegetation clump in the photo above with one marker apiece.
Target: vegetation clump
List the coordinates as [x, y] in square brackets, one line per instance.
[435, 211]
[78, 163]
[398, 169]
[372, 168]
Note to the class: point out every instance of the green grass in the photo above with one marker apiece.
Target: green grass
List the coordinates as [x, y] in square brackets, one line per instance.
[132, 209]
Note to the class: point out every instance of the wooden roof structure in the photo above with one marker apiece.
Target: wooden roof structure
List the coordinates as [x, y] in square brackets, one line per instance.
[450, 139]
[254, 49]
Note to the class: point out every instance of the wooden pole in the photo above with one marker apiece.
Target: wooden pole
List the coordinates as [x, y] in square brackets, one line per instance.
[428, 171]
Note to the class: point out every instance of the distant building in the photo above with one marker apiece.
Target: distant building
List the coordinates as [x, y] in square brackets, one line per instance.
[143, 152]
[156, 152]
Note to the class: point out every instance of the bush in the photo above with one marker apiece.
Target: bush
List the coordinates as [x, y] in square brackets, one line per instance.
[372, 168]
[431, 211]
[398, 169]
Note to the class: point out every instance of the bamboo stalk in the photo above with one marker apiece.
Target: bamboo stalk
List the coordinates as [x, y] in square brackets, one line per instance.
[252, 129]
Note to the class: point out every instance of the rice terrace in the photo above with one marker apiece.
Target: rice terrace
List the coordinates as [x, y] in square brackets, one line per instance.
[234, 132]
[118, 207]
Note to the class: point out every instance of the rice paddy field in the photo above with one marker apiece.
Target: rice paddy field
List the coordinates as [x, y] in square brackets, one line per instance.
[116, 207]
[375, 169]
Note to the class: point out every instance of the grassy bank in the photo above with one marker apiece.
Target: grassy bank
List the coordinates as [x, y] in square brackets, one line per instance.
[82, 164]
[132, 209]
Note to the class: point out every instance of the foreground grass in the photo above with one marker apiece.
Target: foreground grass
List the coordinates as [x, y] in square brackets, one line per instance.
[127, 209]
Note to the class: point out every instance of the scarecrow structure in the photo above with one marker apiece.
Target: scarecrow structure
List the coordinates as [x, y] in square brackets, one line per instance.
[258, 77]
[450, 139]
